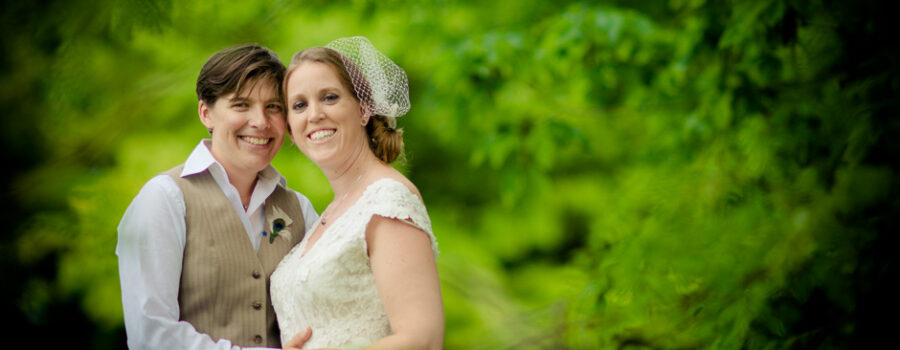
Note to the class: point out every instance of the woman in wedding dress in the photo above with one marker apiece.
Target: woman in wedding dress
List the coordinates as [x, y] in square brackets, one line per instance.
[365, 273]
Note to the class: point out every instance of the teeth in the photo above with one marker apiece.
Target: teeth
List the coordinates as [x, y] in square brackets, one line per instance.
[255, 140]
[321, 134]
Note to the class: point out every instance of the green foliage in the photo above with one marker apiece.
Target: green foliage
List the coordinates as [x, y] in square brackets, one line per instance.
[680, 174]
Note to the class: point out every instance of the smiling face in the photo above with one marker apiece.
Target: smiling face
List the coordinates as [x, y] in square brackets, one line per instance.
[324, 116]
[247, 128]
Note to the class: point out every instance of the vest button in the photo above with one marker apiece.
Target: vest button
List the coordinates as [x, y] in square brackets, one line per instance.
[257, 305]
[257, 339]
[256, 274]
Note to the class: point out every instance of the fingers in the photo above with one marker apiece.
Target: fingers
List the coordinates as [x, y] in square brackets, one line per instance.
[299, 339]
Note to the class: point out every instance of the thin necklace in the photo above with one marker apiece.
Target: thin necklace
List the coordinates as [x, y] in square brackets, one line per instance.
[340, 201]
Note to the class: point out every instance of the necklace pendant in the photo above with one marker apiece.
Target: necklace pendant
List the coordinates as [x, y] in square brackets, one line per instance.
[322, 221]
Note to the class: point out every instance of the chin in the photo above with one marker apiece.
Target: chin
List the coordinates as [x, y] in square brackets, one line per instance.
[259, 164]
[324, 157]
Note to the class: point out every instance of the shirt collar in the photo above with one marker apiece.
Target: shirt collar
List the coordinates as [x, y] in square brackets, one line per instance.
[201, 159]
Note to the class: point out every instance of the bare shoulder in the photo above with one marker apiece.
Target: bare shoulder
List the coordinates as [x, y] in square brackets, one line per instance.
[412, 187]
[395, 175]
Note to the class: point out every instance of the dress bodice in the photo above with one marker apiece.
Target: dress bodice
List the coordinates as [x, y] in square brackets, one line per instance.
[331, 287]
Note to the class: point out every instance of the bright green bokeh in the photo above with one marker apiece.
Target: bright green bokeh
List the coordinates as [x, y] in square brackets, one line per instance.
[671, 174]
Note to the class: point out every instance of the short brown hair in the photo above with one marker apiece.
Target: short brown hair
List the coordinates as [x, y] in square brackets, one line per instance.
[230, 69]
[385, 141]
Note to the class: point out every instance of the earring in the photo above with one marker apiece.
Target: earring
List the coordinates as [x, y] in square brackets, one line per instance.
[365, 121]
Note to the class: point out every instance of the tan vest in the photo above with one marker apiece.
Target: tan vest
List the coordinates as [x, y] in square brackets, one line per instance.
[224, 289]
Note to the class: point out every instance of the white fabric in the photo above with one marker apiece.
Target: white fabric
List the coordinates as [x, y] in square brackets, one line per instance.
[151, 247]
[332, 288]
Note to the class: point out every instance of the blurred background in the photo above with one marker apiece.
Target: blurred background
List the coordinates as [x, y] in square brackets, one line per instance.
[681, 174]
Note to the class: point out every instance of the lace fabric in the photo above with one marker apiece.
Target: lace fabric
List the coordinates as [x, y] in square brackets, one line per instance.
[331, 288]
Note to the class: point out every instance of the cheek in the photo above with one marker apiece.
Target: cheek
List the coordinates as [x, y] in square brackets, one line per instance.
[295, 123]
[279, 121]
[233, 122]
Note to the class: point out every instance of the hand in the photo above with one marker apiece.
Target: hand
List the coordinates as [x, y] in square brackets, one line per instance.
[298, 340]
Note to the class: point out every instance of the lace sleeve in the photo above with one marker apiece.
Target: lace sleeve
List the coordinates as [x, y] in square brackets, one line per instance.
[392, 199]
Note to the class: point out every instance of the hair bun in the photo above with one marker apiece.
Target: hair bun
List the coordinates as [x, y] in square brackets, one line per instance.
[386, 141]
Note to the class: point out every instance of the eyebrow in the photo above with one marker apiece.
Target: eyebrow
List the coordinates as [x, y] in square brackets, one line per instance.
[325, 89]
[245, 99]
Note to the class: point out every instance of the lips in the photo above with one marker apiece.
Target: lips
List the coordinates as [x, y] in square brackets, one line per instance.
[260, 141]
[321, 134]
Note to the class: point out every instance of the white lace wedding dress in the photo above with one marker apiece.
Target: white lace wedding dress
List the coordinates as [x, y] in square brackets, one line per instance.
[331, 288]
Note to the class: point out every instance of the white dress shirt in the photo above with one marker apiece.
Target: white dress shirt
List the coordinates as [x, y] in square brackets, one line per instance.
[151, 247]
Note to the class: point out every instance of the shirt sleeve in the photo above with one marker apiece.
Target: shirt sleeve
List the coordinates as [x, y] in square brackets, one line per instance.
[309, 213]
[150, 248]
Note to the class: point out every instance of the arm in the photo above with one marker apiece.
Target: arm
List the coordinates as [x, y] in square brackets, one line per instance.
[407, 281]
[150, 249]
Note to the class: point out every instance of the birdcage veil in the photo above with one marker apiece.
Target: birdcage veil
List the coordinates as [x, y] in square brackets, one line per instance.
[380, 85]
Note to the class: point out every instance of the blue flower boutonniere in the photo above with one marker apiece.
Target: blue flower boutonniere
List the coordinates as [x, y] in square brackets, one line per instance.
[279, 225]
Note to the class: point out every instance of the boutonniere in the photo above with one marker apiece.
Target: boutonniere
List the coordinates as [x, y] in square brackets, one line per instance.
[279, 225]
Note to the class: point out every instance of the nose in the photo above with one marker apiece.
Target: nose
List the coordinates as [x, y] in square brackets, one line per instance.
[258, 118]
[316, 112]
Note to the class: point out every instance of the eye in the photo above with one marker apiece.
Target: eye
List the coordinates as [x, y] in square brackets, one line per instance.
[331, 98]
[298, 106]
[275, 107]
[240, 105]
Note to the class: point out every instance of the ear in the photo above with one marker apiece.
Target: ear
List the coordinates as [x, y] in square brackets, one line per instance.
[365, 114]
[365, 110]
[205, 117]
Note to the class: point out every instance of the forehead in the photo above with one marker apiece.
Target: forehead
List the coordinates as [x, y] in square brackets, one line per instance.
[256, 88]
[312, 74]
